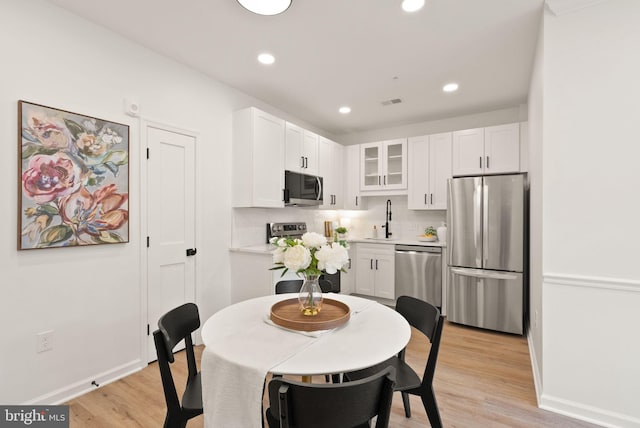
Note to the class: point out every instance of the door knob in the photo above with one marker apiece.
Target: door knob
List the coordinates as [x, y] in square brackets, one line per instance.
[191, 252]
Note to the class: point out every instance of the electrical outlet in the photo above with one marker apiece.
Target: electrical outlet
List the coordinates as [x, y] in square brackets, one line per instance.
[44, 341]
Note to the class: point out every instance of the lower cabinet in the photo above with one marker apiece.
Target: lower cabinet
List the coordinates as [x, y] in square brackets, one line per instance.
[348, 277]
[375, 271]
[254, 282]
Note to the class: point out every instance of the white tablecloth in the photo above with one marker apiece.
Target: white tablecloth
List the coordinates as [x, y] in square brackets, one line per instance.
[241, 348]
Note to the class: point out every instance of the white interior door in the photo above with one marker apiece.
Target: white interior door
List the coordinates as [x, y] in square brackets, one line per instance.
[171, 224]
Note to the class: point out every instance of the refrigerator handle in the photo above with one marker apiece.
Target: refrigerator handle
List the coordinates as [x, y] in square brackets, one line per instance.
[479, 273]
[477, 222]
[485, 223]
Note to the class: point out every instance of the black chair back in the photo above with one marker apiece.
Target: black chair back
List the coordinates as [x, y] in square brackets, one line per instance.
[294, 286]
[427, 319]
[351, 404]
[174, 326]
[288, 286]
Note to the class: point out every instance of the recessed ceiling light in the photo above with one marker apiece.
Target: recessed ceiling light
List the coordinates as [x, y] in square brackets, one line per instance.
[412, 5]
[450, 87]
[265, 7]
[266, 58]
[345, 110]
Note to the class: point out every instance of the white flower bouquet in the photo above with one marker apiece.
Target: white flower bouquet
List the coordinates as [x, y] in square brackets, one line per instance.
[311, 255]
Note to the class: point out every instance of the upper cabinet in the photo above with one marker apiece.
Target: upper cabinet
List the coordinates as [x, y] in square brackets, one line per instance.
[383, 165]
[352, 197]
[491, 150]
[330, 169]
[429, 170]
[258, 159]
[301, 152]
[502, 148]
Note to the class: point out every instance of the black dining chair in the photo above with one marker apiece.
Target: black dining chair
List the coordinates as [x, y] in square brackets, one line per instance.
[352, 404]
[294, 286]
[174, 326]
[425, 318]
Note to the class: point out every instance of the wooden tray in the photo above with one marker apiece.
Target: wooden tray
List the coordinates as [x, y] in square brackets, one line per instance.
[286, 313]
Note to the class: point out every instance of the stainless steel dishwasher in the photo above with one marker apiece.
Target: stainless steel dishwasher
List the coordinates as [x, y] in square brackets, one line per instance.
[419, 273]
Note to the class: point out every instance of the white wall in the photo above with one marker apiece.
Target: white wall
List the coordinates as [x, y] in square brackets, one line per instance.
[91, 296]
[536, 103]
[590, 211]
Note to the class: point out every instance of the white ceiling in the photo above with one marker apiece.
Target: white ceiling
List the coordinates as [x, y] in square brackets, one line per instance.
[331, 53]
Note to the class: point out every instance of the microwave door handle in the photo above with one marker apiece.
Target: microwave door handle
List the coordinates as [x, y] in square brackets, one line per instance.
[319, 188]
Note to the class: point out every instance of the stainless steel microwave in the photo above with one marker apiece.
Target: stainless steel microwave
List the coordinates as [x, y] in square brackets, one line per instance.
[302, 189]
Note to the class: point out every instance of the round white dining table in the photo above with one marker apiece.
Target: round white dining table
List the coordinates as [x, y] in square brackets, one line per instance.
[242, 345]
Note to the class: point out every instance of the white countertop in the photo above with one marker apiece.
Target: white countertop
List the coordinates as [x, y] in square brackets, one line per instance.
[268, 248]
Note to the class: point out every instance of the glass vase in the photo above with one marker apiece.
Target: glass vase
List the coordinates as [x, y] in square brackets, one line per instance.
[310, 296]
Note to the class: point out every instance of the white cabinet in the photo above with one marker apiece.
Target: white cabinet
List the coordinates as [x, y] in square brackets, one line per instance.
[254, 282]
[468, 152]
[352, 197]
[348, 278]
[429, 170]
[383, 165]
[301, 151]
[330, 169]
[502, 148]
[375, 274]
[258, 159]
[491, 150]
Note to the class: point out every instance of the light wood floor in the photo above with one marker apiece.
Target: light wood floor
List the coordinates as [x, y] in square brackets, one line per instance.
[483, 379]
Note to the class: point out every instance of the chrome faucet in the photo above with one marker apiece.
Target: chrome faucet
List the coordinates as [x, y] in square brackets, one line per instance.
[387, 219]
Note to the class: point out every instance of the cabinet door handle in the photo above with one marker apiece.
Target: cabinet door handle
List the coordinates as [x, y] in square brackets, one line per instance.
[378, 180]
[480, 162]
[376, 264]
[371, 260]
[356, 201]
[301, 161]
[431, 199]
[385, 180]
[306, 162]
[488, 162]
[349, 263]
[425, 199]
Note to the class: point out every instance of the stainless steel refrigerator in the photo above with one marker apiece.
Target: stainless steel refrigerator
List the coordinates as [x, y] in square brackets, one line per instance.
[486, 247]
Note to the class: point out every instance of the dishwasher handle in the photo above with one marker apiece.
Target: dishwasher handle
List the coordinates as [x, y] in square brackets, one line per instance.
[413, 249]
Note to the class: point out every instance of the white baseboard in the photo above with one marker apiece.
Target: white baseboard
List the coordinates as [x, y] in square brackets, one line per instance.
[74, 390]
[535, 368]
[589, 414]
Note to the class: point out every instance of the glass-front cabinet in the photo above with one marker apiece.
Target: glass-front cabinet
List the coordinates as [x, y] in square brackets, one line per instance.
[383, 165]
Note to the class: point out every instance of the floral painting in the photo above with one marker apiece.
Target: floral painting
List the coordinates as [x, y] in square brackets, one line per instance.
[74, 179]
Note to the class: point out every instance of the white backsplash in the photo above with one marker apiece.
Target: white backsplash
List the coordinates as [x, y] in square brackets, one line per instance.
[249, 224]
[404, 224]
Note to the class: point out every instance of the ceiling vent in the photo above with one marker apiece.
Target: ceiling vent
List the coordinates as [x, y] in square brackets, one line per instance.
[391, 102]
